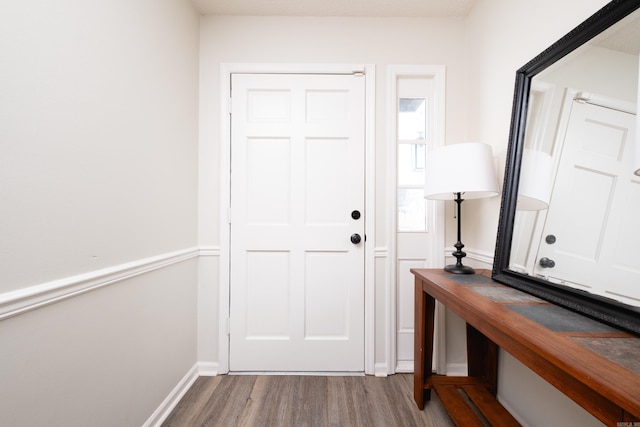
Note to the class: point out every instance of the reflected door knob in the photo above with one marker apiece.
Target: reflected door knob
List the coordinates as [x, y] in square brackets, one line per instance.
[547, 263]
[355, 239]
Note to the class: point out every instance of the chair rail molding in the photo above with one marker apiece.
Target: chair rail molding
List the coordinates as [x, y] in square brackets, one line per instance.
[209, 251]
[474, 254]
[20, 301]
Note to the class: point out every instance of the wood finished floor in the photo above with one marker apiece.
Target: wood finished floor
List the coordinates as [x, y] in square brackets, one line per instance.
[275, 401]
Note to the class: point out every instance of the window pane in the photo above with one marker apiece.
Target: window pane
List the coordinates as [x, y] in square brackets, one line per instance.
[411, 158]
[411, 210]
[412, 119]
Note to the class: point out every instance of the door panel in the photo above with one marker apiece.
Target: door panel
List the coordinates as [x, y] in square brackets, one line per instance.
[591, 206]
[297, 173]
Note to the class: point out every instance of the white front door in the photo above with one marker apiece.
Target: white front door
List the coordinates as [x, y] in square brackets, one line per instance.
[297, 198]
[594, 206]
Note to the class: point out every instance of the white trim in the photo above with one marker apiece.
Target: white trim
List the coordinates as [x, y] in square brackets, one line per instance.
[380, 253]
[370, 217]
[603, 101]
[299, 373]
[172, 400]
[456, 370]
[381, 370]
[536, 126]
[225, 192]
[438, 74]
[476, 255]
[207, 369]
[209, 251]
[391, 285]
[22, 300]
[514, 412]
[404, 366]
[225, 206]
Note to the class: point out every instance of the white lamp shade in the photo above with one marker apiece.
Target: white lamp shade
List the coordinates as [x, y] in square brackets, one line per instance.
[460, 168]
[534, 190]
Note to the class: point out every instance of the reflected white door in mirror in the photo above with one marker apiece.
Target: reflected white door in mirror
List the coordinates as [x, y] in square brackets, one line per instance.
[586, 239]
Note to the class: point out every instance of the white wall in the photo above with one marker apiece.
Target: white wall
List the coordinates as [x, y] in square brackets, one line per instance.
[99, 162]
[105, 358]
[98, 172]
[323, 41]
[503, 36]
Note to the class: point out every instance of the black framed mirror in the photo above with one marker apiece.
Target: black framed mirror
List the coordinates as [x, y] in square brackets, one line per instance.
[575, 240]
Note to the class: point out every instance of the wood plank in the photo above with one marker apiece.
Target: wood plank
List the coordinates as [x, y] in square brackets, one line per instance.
[252, 413]
[193, 402]
[345, 404]
[487, 404]
[219, 406]
[294, 400]
[459, 381]
[252, 401]
[457, 406]
[434, 414]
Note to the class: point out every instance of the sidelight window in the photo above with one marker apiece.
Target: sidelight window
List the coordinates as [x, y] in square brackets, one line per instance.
[412, 140]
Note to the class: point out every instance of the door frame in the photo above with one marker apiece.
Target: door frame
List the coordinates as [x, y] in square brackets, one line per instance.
[438, 74]
[224, 290]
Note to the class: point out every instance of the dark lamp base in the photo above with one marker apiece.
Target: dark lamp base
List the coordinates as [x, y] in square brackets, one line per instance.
[459, 269]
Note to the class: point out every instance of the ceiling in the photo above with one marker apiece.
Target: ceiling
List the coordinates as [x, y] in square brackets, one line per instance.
[371, 8]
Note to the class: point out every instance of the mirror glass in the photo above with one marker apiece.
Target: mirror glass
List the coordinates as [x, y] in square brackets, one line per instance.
[569, 228]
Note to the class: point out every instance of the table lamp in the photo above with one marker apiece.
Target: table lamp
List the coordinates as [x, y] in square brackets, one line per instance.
[456, 171]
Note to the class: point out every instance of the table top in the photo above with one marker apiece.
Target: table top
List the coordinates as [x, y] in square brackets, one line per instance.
[557, 343]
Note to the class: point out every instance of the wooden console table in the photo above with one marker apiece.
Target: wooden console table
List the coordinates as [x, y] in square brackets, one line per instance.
[592, 363]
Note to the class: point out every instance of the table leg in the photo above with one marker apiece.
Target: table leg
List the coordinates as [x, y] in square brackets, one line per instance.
[424, 312]
[482, 358]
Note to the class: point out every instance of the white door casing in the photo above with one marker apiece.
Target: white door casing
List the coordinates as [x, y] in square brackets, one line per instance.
[226, 70]
[594, 200]
[297, 173]
[413, 249]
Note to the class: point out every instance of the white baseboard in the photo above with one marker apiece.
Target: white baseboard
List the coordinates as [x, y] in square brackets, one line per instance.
[404, 366]
[457, 369]
[208, 369]
[200, 369]
[380, 370]
[515, 415]
[299, 373]
[170, 402]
